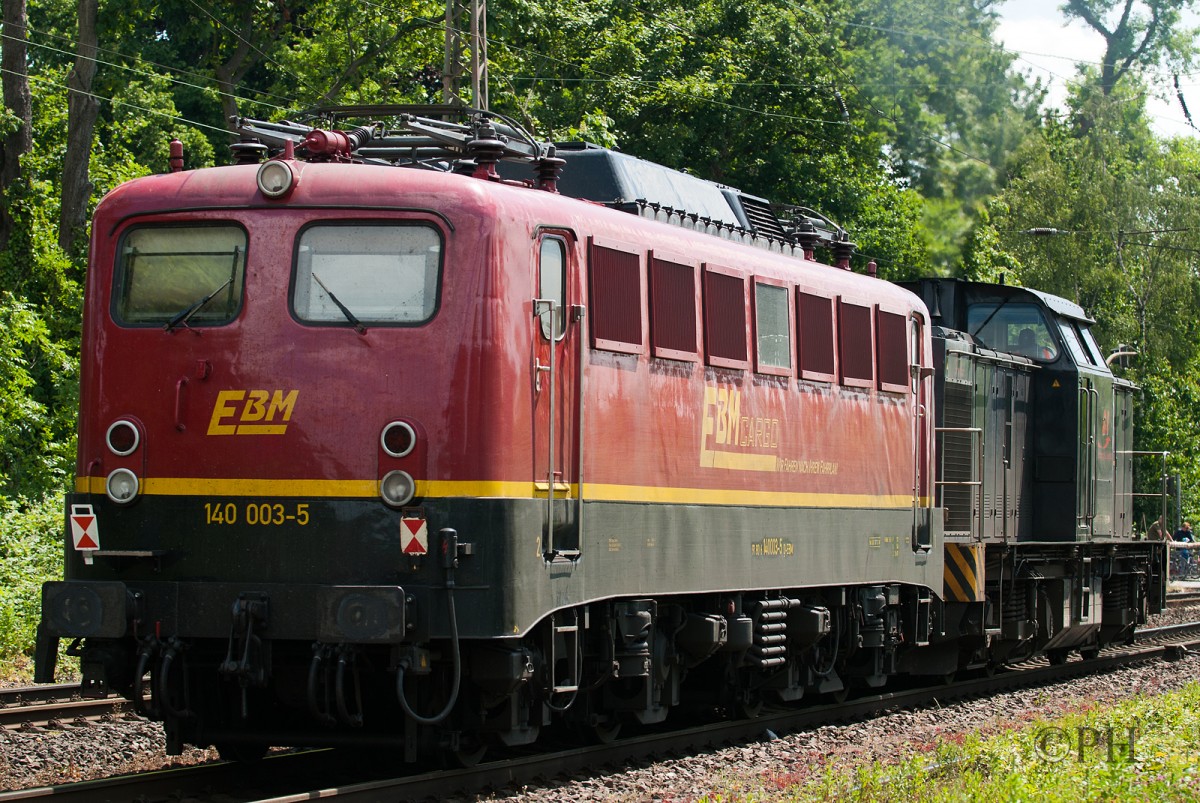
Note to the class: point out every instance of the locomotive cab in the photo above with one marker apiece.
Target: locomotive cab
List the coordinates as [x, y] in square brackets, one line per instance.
[1077, 415]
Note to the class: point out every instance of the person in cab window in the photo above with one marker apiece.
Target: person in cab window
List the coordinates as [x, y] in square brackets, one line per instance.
[1027, 343]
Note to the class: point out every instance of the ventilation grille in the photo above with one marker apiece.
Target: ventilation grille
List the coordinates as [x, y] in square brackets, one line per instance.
[893, 349]
[762, 218]
[854, 333]
[957, 457]
[616, 298]
[725, 316]
[672, 306]
[816, 334]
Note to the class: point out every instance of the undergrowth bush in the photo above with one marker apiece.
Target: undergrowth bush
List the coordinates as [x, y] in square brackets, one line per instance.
[30, 553]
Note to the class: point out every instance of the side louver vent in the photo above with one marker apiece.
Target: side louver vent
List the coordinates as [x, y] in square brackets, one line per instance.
[762, 218]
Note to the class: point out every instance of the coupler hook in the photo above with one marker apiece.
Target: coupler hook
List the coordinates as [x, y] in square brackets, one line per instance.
[174, 648]
[146, 653]
[347, 655]
[319, 680]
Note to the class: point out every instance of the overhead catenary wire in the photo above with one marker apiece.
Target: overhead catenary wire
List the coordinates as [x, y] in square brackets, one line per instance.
[969, 37]
[149, 74]
[291, 101]
[116, 102]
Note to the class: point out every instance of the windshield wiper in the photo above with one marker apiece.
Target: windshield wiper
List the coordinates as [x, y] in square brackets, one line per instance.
[181, 318]
[988, 319]
[358, 327]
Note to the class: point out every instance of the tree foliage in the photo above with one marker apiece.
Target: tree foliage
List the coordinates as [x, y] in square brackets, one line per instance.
[1136, 33]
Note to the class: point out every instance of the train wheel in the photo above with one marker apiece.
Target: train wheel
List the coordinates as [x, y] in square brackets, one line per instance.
[1089, 653]
[606, 732]
[1057, 657]
[749, 706]
[241, 752]
[470, 751]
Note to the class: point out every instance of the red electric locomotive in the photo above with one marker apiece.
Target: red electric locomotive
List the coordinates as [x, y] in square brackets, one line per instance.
[442, 457]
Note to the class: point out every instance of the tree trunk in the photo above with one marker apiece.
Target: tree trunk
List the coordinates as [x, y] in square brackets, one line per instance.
[82, 109]
[18, 100]
[231, 71]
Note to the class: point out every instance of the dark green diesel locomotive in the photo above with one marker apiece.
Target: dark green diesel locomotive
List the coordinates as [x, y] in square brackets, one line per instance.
[1035, 471]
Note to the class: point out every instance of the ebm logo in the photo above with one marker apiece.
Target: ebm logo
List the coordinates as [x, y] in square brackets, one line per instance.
[249, 412]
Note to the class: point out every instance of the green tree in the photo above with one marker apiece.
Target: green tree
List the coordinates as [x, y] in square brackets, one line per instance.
[1136, 33]
[36, 403]
[1107, 214]
[16, 126]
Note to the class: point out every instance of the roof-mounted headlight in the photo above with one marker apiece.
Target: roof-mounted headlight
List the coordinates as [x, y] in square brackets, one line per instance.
[275, 178]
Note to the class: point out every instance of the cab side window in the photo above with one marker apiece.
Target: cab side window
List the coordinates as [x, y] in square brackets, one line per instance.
[552, 285]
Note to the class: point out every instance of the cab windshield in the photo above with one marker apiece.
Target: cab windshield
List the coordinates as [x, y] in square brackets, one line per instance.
[166, 273]
[1013, 327]
[367, 273]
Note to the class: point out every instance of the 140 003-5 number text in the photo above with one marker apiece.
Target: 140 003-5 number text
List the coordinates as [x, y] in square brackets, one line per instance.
[255, 513]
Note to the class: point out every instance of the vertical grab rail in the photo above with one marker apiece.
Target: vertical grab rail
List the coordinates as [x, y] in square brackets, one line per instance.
[550, 306]
[1089, 398]
[917, 374]
[917, 542]
[1094, 455]
[578, 313]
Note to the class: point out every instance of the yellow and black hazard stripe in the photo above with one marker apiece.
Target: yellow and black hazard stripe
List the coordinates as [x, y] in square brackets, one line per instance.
[963, 575]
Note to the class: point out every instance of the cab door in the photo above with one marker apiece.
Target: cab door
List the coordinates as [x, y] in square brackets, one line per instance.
[1096, 457]
[557, 400]
[919, 387]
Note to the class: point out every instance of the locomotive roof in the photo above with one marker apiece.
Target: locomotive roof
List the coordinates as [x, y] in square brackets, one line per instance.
[945, 303]
[464, 140]
[610, 177]
[1061, 306]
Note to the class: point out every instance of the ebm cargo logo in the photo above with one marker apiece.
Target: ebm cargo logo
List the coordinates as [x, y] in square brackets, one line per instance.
[252, 412]
[731, 440]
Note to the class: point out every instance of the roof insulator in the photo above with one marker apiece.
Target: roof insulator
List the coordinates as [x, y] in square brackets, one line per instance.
[549, 170]
[249, 151]
[486, 149]
[842, 251]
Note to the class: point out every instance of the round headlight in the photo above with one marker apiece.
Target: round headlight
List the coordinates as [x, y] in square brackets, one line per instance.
[122, 438]
[397, 488]
[398, 439]
[275, 179]
[121, 486]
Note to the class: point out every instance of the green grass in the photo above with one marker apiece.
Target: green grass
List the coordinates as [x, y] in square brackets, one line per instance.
[1084, 756]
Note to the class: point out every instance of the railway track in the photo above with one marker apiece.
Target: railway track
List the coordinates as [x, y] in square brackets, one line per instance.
[349, 776]
[57, 705]
[1178, 599]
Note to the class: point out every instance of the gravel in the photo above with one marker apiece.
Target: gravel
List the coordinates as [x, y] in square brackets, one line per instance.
[40, 758]
[80, 753]
[779, 762]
